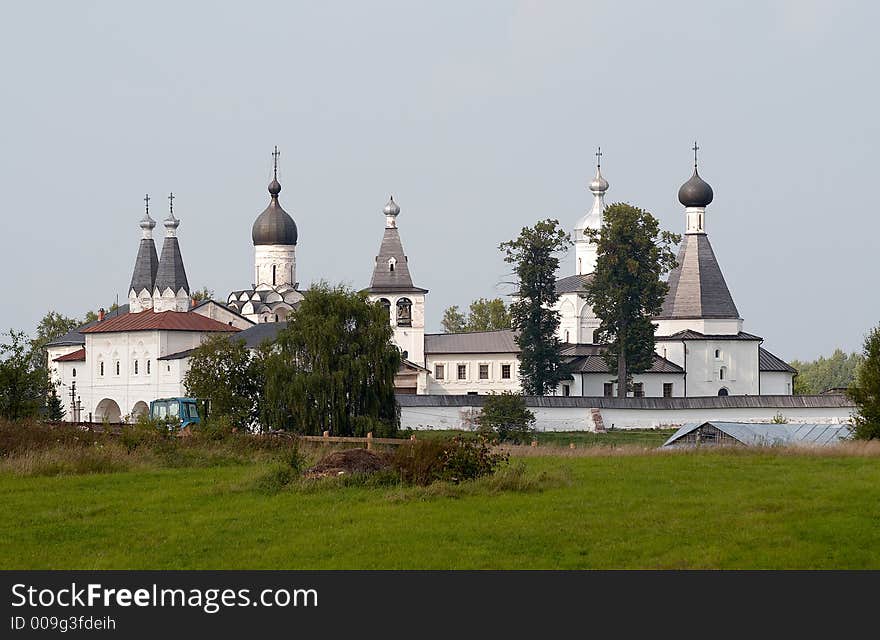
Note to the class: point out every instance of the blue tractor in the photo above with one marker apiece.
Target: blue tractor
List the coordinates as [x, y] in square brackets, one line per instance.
[186, 410]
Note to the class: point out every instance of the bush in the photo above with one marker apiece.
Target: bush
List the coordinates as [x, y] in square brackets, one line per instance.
[425, 461]
[505, 415]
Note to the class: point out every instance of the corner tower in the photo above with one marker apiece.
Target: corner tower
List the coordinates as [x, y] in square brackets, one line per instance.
[392, 285]
[143, 278]
[275, 235]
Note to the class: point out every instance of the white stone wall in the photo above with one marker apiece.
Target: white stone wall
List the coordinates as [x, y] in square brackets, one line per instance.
[577, 322]
[593, 384]
[579, 419]
[777, 383]
[452, 385]
[707, 326]
[280, 256]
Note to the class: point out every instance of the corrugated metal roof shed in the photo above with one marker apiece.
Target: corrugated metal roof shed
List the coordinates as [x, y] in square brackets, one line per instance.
[764, 434]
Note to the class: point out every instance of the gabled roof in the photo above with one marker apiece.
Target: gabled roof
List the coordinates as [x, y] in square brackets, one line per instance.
[77, 356]
[588, 358]
[145, 266]
[574, 284]
[473, 342]
[163, 321]
[170, 273]
[768, 434]
[696, 285]
[76, 336]
[384, 278]
[768, 362]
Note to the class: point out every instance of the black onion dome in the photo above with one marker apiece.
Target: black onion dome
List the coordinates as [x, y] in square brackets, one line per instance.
[274, 225]
[696, 192]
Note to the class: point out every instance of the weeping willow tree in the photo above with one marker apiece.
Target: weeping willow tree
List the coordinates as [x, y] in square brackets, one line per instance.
[332, 368]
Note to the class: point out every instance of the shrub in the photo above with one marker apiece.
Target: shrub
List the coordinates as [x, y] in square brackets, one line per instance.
[505, 415]
[425, 461]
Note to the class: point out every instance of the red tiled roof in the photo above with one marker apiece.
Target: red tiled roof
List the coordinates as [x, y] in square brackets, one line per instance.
[77, 356]
[163, 321]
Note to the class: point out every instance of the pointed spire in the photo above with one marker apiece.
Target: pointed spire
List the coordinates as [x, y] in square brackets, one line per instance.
[146, 264]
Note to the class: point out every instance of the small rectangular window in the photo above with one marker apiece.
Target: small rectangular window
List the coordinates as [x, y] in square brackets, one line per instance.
[484, 372]
[667, 389]
[505, 371]
[566, 390]
[438, 371]
[462, 372]
[609, 389]
[472, 393]
[638, 390]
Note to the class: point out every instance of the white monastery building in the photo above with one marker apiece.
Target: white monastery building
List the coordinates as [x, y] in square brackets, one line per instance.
[140, 352]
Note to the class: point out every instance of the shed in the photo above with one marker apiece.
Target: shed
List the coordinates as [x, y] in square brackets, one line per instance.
[758, 434]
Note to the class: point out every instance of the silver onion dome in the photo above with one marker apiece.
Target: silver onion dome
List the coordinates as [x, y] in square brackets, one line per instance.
[391, 208]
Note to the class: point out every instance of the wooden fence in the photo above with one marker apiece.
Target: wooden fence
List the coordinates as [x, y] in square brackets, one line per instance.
[369, 440]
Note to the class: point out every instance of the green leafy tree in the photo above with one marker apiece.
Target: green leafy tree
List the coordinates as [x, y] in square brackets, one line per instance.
[333, 367]
[484, 315]
[836, 371]
[506, 416]
[24, 383]
[535, 258]
[199, 295]
[453, 320]
[223, 371]
[627, 289]
[865, 390]
[53, 325]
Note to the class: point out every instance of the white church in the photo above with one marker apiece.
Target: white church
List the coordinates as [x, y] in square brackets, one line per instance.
[112, 368]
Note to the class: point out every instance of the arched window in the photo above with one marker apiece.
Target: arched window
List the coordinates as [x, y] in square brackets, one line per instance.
[723, 392]
[566, 335]
[404, 312]
[717, 353]
[135, 367]
[148, 367]
[117, 367]
[386, 303]
[276, 317]
[721, 373]
[391, 262]
[273, 275]
[73, 373]
[101, 369]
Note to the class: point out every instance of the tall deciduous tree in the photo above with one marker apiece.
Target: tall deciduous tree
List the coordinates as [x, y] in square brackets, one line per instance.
[627, 290]
[223, 371]
[535, 258]
[53, 325]
[865, 390]
[484, 315]
[332, 368]
[24, 383]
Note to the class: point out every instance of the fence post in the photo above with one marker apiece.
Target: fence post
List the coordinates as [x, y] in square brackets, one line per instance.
[369, 441]
[572, 445]
[534, 443]
[326, 437]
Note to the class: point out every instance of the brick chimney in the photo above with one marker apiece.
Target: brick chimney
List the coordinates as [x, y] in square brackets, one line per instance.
[101, 314]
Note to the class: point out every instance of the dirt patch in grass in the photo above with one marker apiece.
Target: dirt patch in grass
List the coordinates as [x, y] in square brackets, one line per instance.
[348, 461]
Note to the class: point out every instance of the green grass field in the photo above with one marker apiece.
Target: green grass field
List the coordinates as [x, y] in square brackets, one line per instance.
[704, 510]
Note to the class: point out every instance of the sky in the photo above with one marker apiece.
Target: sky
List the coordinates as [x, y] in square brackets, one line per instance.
[480, 118]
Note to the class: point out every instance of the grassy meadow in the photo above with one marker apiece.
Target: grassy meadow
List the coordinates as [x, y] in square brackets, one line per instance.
[588, 508]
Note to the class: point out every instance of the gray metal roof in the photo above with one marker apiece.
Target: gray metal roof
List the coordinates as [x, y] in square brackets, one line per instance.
[589, 359]
[398, 279]
[76, 337]
[171, 274]
[768, 362]
[503, 341]
[180, 355]
[763, 434]
[696, 285]
[574, 284]
[145, 266]
[254, 336]
[690, 334]
[702, 402]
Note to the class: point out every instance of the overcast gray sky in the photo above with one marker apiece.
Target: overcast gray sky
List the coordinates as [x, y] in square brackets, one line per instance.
[480, 117]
